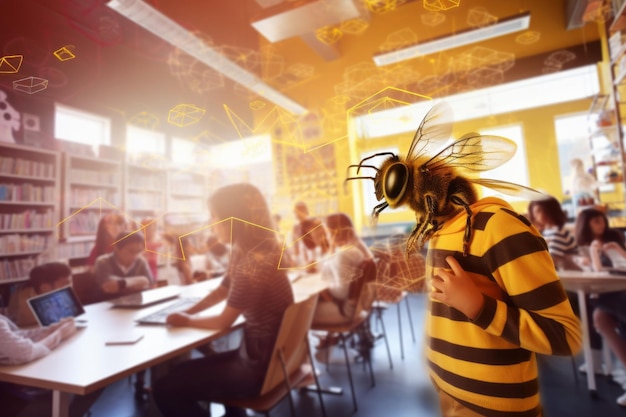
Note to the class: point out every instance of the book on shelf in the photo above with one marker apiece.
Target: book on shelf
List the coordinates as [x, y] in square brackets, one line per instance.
[14, 269]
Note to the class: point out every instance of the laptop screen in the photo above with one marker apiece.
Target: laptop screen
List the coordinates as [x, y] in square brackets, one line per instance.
[55, 305]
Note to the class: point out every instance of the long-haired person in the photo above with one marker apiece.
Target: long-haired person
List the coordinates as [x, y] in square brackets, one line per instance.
[254, 287]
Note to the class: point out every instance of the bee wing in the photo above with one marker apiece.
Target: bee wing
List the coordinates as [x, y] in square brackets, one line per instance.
[474, 152]
[434, 131]
[509, 188]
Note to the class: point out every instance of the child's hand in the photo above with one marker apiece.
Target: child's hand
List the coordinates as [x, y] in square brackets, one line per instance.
[456, 289]
[611, 245]
[178, 319]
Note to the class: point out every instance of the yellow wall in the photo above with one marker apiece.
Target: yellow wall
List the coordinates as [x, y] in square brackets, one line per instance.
[541, 152]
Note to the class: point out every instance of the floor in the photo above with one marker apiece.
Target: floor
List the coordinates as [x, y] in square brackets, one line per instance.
[403, 390]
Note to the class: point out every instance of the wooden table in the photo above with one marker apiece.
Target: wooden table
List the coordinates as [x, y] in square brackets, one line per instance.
[583, 283]
[84, 363]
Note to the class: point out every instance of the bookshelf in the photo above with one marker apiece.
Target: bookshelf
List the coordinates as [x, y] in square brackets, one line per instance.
[29, 207]
[91, 188]
[145, 190]
[188, 192]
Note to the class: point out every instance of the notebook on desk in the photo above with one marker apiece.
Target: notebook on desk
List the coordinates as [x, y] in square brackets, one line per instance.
[147, 298]
[55, 305]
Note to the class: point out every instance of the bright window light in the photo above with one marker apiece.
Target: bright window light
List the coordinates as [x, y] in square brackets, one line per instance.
[239, 153]
[81, 127]
[572, 137]
[144, 141]
[515, 170]
[183, 152]
[559, 87]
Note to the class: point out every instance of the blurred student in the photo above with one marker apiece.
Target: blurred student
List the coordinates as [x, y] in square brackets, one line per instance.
[609, 309]
[124, 271]
[109, 227]
[217, 258]
[20, 346]
[309, 236]
[549, 218]
[253, 287]
[341, 270]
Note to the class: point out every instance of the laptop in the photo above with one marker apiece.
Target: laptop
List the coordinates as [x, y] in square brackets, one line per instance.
[147, 298]
[160, 316]
[55, 305]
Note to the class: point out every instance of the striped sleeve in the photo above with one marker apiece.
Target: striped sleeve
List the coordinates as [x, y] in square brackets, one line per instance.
[538, 316]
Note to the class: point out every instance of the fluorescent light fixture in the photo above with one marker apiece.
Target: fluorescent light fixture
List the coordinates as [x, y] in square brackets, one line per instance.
[465, 37]
[165, 28]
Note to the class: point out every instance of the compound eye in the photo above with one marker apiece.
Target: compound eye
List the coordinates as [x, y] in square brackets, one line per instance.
[396, 179]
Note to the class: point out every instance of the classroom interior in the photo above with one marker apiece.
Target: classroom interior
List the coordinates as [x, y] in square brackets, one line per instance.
[143, 108]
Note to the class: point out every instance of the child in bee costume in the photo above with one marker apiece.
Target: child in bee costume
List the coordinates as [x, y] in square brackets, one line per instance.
[491, 311]
[495, 297]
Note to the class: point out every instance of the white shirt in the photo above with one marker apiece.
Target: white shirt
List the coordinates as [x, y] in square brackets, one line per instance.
[341, 268]
[18, 346]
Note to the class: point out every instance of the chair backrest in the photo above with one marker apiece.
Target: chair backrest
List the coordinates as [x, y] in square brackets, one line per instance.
[359, 289]
[291, 343]
[86, 288]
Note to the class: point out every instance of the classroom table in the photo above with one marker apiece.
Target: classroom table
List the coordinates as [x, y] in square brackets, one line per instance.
[583, 283]
[85, 363]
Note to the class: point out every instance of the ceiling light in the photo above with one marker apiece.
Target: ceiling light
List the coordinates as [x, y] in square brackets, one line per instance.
[502, 27]
[165, 28]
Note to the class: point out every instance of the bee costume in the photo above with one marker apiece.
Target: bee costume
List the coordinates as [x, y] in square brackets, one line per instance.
[486, 366]
[489, 364]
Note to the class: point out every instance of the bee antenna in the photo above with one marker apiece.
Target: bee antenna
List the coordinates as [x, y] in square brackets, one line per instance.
[359, 166]
[378, 154]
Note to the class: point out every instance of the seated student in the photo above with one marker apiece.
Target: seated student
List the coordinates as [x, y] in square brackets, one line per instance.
[341, 269]
[19, 346]
[609, 309]
[217, 257]
[253, 287]
[109, 227]
[309, 236]
[124, 271]
[549, 218]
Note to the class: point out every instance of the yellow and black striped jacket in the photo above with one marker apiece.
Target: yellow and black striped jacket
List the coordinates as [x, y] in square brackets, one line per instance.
[489, 364]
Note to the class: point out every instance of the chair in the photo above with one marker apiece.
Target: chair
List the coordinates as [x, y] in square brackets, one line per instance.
[84, 284]
[399, 274]
[290, 366]
[358, 291]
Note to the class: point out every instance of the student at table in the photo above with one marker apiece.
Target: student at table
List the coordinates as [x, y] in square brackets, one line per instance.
[549, 218]
[124, 271]
[310, 237]
[254, 287]
[609, 311]
[109, 227]
[340, 270]
[20, 346]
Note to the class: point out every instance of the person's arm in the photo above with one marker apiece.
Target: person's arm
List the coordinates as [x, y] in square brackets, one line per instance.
[112, 283]
[23, 346]
[223, 320]
[595, 252]
[217, 295]
[219, 321]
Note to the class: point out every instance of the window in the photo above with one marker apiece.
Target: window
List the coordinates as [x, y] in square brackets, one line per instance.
[515, 170]
[572, 141]
[539, 91]
[241, 153]
[144, 141]
[183, 152]
[78, 126]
